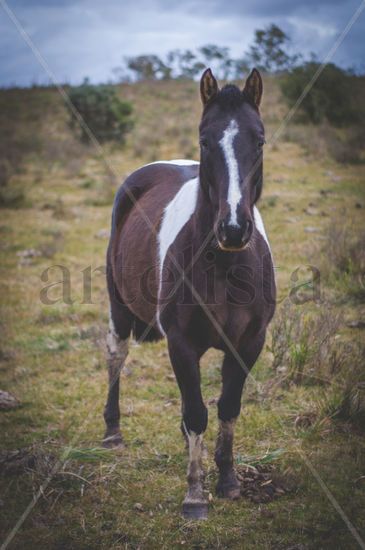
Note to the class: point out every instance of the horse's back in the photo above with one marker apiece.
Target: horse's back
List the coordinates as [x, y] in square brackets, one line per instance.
[133, 250]
[163, 177]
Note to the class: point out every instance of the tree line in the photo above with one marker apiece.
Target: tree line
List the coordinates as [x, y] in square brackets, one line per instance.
[268, 52]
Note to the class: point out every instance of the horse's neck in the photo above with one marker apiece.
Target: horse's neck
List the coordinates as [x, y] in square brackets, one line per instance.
[204, 217]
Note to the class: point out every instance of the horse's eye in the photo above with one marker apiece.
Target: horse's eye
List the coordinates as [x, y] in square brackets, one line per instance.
[261, 143]
[204, 143]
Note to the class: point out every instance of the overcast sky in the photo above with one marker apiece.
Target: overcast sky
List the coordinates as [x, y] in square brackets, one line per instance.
[90, 37]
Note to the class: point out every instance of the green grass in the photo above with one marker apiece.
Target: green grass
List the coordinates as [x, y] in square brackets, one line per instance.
[53, 359]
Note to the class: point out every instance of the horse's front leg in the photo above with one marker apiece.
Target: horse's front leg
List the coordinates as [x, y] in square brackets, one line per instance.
[234, 373]
[185, 363]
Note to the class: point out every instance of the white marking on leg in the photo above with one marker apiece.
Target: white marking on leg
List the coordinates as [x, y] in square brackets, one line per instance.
[234, 191]
[176, 214]
[195, 469]
[117, 350]
[195, 448]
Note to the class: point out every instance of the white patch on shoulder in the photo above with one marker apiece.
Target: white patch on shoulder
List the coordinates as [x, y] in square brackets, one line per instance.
[176, 214]
[260, 225]
[178, 162]
[234, 191]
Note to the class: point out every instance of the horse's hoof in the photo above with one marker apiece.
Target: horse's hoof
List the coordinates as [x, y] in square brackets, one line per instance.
[195, 510]
[232, 492]
[113, 441]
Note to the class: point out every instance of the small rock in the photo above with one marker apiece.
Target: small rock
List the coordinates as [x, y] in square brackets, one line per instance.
[332, 176]
[29, 253]
[311, 229]
[102, 234]
[8, 401]
[311, 211]
[304, 420]
[358, 205]
[26, 256]
[138, 506]
[356, 324]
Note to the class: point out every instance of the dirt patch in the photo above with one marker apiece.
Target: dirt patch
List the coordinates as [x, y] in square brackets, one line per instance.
[263, 483]
[20, 460]
[8, 401]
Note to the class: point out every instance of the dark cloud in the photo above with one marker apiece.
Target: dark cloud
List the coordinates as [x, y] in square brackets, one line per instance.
[88, 38]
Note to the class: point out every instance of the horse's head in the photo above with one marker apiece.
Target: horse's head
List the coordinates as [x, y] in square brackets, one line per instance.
[231, 142]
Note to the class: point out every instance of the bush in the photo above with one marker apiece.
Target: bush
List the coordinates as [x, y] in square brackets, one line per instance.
[303, 343]
[308, 349]
[333, 96]
[345, 145]
[352, 402]
[108, 117]
[344, 399]
[343, 263]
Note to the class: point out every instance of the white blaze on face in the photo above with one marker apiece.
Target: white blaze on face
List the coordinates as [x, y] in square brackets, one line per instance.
[234, 191]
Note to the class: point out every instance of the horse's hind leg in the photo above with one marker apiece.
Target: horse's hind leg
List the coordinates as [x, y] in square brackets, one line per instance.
[120, 323]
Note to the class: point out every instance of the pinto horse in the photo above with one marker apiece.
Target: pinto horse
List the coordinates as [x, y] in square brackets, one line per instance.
[189, 260]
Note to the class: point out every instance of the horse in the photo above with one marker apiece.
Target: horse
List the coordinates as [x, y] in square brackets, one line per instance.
[189, 260]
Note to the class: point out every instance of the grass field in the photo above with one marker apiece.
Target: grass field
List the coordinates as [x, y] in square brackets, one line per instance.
[57, 213]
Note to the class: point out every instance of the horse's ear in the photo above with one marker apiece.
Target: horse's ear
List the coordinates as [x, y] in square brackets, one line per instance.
[253, 87]
[208, 86]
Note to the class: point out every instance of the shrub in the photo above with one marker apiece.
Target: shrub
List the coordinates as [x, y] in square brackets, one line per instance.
[303, 343]
[345, 145]
[352, 399]
[345, 398]
[343, 262]
[107, 116]
[332, 98]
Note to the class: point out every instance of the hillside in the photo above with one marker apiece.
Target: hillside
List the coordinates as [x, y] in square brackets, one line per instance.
[56, 209]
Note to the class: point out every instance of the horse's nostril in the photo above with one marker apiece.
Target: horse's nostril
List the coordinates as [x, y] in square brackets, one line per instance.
[234, 236]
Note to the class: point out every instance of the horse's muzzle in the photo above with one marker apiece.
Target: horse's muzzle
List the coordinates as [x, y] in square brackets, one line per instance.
[234, 237]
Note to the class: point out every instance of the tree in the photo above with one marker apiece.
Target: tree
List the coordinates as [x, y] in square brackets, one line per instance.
[184, 63]
[218, 58]
[148, 67]
[268, 50]
[240, 67]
